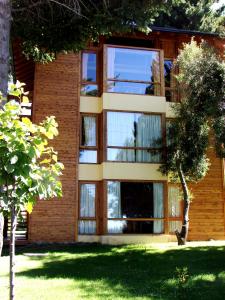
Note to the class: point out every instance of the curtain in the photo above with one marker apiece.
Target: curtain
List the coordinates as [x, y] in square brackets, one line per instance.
[87, 227]
[173, 225]
[111, 55]
[114, 199]
[149, 134]
[116, 226]
[114, 207]
[174, 201]
[120, 129]
[158, 207]
[87, 200]
[89, 131]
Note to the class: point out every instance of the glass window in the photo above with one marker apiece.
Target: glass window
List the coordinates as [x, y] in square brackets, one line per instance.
[88, 139]
[134, 137]
[89, 66]
[87, 222]
[89, 85]
[133, 71]
[174, 208]
[171, 92]
[87, 200]
[135, 200]
[89, 90]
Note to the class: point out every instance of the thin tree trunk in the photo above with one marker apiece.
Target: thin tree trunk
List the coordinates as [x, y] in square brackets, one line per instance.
[182, 235]
[12, 252]
[1, 232]
[5, 21]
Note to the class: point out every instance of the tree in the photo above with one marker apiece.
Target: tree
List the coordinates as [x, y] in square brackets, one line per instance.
[194, 15]
[202, 109]
[28, 168]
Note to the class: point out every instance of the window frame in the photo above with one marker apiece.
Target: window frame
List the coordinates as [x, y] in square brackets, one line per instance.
[165, 207]
[173, 88]
[178, 218]
[95, 218]
[93, 148]
[86, 82]
[106, 146]
[161, 69]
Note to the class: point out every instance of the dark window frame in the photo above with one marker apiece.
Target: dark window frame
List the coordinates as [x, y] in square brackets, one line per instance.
[89, 148]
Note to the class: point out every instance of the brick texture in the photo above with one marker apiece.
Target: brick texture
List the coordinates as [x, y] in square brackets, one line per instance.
[56, 92]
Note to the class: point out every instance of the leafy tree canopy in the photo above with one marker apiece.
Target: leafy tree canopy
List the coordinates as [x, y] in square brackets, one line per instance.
[29, 167]
[52, 26]
[194, 15]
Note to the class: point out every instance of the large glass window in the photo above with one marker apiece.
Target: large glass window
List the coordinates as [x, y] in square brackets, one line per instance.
[171, 92]
[135, 207]
[87, 214]
[174, 208]
[134, 137]
[88, 139]
[133, 71]
[89, 85]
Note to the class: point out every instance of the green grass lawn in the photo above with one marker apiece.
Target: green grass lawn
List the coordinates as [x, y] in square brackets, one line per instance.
[64, 272]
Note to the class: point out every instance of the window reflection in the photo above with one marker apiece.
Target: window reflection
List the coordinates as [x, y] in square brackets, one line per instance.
[89, 85]
[133, 71]
[89, 66]
[134, 137]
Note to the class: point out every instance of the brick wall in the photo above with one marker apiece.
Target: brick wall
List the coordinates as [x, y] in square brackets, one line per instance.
[56, 92]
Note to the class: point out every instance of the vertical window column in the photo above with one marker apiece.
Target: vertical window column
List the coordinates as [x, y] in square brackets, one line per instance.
[88, 139]
[174, 208]
[89, 86]
[87, 208]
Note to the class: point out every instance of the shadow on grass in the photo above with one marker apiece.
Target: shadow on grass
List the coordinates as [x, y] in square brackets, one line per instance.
[134, 271]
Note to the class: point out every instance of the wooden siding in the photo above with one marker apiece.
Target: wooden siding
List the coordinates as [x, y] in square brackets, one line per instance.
[56, 92]
[207, 207]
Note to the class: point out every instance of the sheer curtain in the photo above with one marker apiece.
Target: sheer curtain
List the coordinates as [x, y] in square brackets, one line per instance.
[87, 200]
[114, 199]
[174, 201]
[149, 133]
[114, 207]
[89, 131]
[87, 208]
[158, 207]
[174, 207]
[120, 132]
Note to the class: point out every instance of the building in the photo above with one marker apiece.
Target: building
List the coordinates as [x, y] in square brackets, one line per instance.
[112, 103]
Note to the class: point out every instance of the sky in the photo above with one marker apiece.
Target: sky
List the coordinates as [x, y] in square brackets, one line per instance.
[220, 3]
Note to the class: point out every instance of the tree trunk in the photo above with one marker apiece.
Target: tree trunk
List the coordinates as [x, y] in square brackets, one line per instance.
[5, 21]
[1, 232]
[182, 235]
[12, 252]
